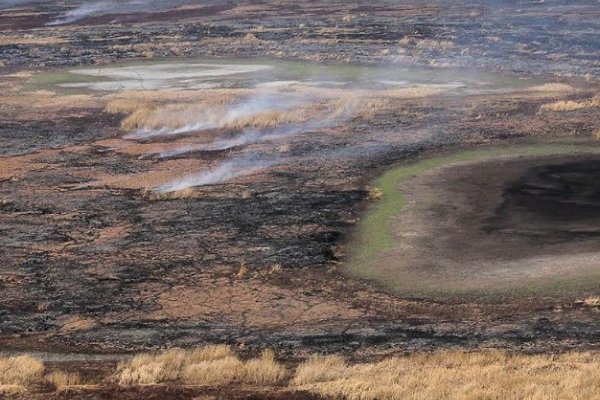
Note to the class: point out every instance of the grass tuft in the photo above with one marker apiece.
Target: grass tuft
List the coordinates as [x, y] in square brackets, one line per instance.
[210, 365]
[64, 380]
[454, 375]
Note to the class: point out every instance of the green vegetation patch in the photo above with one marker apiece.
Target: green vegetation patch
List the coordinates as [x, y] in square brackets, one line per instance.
[374, 237]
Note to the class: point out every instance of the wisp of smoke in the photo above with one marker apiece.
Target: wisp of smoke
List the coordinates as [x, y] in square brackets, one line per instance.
[219, 117]
[252, 135]
[83, 11]
[226, 171]
[104, 7]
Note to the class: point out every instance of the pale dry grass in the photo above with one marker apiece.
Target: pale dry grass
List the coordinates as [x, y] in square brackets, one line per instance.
[19, 370]
[415, 92]
[320, 369]
[214, 372]
[552, 87]
[455, 375]
[571, 105]
[264, 370]
[64, 380]
[593, 301]
[11, 389]
[152, 195]
[429, 44]
[31, 39]
[375, 193]
[210, 365]
[145, 114]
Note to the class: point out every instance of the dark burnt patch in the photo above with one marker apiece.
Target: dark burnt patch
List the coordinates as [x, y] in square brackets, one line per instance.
[554, 200]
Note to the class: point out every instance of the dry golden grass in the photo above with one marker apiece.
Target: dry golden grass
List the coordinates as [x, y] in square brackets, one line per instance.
[375, 193]
[163, 196]
[593, 301]
[264, 370]
[430, 44]
[11, 389]
[415, 92]
[551, 87]
[571, 105]
[20, 370]
[215, 372]
[455, 375]
[145, 115]
[243, 271]
[31, 39]
[320, 369]
[209, 365]
[64, 380]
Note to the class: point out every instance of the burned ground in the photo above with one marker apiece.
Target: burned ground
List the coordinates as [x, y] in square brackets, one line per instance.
[92, 261]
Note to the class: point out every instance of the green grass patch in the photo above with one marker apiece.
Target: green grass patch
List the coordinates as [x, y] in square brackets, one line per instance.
[374, 237]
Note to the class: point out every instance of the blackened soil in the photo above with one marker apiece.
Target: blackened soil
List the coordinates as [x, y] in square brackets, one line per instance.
[558, 192]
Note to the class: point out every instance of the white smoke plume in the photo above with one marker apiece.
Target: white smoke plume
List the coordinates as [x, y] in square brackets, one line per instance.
[89, 9]
[226, 171]
[81, 12]
[252, 135]
[221, 116]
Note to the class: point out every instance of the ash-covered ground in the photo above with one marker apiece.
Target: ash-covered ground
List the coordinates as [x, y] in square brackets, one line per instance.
[126, 224]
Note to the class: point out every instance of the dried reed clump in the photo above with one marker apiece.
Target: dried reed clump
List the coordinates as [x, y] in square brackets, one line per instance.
[152, 195]
[320, 369]
[144, 114]
[64, 380]
[209, 365]
[455, 375]
[375, 193]
[592, 301]
[571, 105]
[215, 372]
[264, 370]
[19, 370]
[243, 271]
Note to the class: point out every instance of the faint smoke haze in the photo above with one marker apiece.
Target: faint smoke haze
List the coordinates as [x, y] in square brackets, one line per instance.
[94, 8]
[223, 115]
[226, 171]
